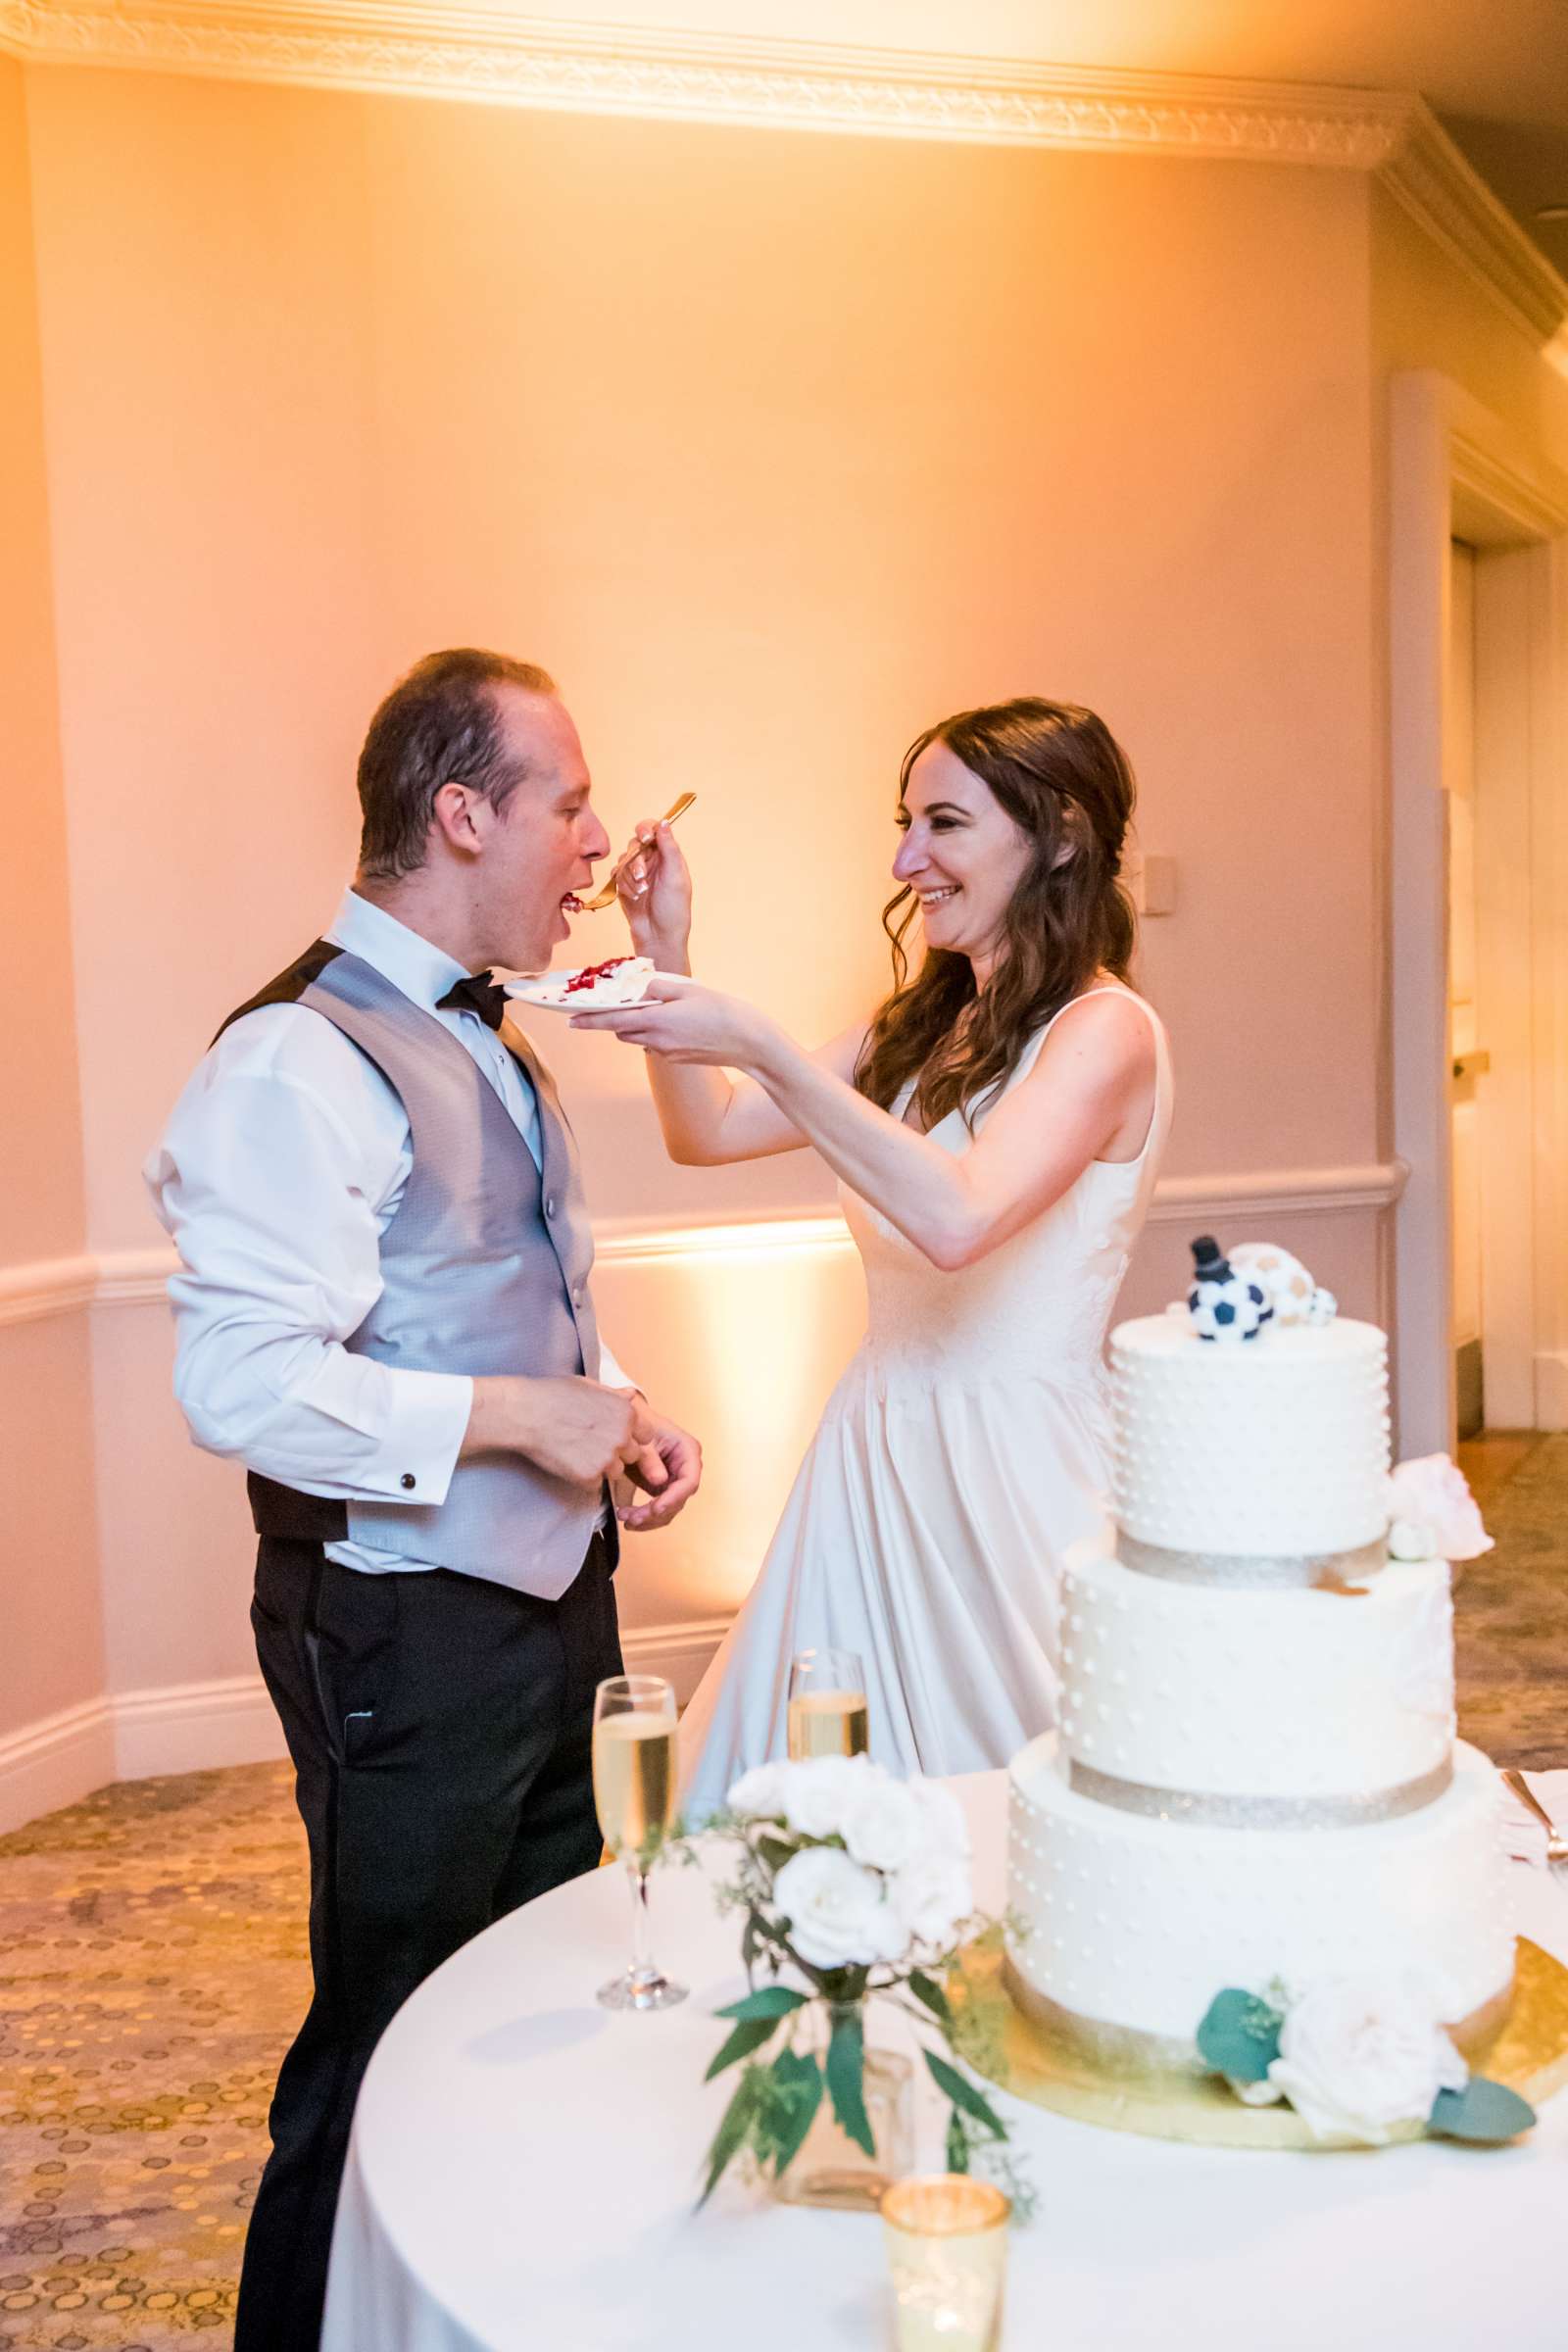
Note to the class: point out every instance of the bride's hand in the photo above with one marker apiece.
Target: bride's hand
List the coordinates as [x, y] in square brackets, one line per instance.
[655, 889]
[685, 1022]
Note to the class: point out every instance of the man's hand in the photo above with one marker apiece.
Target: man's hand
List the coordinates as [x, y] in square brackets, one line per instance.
[680, 1458]
[576, 1429]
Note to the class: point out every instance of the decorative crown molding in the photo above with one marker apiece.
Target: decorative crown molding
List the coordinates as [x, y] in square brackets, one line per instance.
[418, 46]
[1428, 175]
[421, 48]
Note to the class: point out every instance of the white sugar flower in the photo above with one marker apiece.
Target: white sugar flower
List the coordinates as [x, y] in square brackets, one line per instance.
[933, 1895]
[837, 1917]
[882, 1824]
[760, 1794]
[1358, 2056]
[1432, 1513]
[820, 1790]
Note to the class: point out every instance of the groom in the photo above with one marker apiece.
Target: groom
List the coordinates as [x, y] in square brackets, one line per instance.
[383, 1312]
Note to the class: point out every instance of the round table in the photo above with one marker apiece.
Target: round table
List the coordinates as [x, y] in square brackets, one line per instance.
[525, 2165]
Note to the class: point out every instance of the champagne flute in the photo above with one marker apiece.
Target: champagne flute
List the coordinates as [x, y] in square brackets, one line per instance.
[634, 1797]
[828, 1715]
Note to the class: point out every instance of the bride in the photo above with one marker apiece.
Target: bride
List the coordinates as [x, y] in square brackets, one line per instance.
[996, 1126]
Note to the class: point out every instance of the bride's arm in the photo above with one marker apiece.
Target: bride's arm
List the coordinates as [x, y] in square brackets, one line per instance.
[1091, 1087]
[706, 1119]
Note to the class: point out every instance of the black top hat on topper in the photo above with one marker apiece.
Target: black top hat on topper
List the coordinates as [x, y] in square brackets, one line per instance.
[1223, 1305]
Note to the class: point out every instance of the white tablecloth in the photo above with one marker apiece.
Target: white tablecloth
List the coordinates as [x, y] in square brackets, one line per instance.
[523, 2169]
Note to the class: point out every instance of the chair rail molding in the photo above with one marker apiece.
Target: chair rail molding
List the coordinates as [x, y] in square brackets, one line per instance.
[57, 1286]
[421, 48]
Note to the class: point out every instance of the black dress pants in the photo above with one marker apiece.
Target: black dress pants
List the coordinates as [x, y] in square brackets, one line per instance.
[441, 1733]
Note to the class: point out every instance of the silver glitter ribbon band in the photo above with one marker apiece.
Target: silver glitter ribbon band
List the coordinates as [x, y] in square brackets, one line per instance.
[1260, 1571]
[1138, 2056]
[1208, 1811]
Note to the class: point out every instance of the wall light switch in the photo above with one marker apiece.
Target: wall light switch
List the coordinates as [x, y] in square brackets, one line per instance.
[1153, 883]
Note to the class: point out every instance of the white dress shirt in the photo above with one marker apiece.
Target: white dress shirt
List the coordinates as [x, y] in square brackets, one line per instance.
[283, 1164]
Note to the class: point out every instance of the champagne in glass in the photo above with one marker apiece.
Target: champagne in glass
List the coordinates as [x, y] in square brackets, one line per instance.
[828, 1714]
[634, 1797]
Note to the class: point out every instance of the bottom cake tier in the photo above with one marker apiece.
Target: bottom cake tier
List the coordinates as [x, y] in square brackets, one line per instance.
[1127, 1926]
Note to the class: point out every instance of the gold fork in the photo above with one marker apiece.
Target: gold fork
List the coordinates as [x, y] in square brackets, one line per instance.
[602, 897]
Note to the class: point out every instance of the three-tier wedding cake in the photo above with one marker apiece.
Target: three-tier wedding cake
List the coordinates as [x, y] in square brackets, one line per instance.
[1255, 1780]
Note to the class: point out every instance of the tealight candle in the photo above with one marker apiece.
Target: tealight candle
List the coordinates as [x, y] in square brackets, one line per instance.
[946, 2242]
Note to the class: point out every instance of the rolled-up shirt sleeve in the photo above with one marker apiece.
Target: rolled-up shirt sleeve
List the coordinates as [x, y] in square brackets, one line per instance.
[276, 1206]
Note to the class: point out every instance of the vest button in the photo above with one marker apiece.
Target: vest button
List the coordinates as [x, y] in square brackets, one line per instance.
[550, 1205]
[408, 1479]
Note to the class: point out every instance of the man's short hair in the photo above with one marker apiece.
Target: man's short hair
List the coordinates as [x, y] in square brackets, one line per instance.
[439, 725]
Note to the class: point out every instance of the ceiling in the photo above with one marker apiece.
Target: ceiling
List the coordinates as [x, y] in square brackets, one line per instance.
[1496, 72]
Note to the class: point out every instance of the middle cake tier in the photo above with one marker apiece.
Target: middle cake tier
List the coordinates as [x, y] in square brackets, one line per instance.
[1204, 1702]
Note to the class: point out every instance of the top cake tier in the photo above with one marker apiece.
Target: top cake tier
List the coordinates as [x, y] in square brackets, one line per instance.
[1276, 1446]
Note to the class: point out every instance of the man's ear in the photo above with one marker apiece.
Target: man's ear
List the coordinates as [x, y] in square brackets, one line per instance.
[458, 813]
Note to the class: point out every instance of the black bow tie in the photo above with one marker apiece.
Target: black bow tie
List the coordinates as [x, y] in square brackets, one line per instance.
[480, 995]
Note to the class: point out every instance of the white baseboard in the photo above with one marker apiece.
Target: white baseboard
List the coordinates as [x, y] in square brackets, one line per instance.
[200, 1727]
[195, 1727]
[55, 1762]
[1552, 1389]
[680, 1652]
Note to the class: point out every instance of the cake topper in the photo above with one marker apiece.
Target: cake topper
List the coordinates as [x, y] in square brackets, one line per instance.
[1224, 1306]
[1293, 1293]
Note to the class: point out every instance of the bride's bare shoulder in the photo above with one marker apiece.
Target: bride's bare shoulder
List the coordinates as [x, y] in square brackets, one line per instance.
[1109, 1024]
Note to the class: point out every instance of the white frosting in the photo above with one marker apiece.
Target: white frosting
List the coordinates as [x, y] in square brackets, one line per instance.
[1138, 1923]
[1291, 1694]
[1277, 1444]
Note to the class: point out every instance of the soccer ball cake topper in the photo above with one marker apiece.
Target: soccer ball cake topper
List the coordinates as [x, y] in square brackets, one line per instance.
[1224, 1306]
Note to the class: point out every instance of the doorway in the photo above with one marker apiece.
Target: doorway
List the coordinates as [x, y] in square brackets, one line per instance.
[1479, 979]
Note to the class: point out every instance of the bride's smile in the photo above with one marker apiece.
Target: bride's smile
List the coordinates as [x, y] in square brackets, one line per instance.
[962, 857]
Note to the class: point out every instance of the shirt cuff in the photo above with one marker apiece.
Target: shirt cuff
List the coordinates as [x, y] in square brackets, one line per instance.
[417, 1452]
[610, 1371]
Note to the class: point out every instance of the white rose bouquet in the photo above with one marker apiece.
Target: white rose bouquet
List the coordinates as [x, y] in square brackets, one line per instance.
[854, 1884]
[1360, 2060]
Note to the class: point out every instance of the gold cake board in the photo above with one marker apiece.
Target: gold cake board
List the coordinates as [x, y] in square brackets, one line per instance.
[1022, 2054]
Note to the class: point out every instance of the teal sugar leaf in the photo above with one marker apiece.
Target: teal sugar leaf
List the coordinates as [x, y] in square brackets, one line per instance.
[770, 2000]
[1485, 2112]
[846, 2079]
[1240, 2035]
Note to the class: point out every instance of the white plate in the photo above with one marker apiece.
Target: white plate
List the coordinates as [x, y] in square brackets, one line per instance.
[551, 988]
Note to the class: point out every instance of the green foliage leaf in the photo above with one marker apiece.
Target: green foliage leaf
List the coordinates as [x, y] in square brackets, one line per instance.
[747, 2038]
[957, 2143]
[1240, 2035]
[846, 2078]
[775, 1852]
[1484, 2112]
[926, 1989]
[770, 2000]
[736, 2123]
[964, 2094]
[796, 2096]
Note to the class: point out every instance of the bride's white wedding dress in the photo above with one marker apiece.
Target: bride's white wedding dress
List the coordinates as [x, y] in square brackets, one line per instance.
[965, 1447]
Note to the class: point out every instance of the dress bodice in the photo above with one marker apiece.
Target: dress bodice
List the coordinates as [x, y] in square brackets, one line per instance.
[1036, 1307]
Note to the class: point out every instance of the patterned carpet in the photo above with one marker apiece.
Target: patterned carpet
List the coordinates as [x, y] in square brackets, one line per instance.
[152, 1970]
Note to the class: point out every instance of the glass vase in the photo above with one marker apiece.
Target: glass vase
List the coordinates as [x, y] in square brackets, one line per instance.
[829, 2168]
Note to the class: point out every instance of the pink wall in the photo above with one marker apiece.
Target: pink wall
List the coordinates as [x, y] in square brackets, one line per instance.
[774, 446]
[52, 1653]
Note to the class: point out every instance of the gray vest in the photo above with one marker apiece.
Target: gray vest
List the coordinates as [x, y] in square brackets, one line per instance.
[484, 1268]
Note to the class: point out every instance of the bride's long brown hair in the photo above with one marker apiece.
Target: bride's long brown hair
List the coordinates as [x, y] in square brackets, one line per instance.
[1066, 782]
